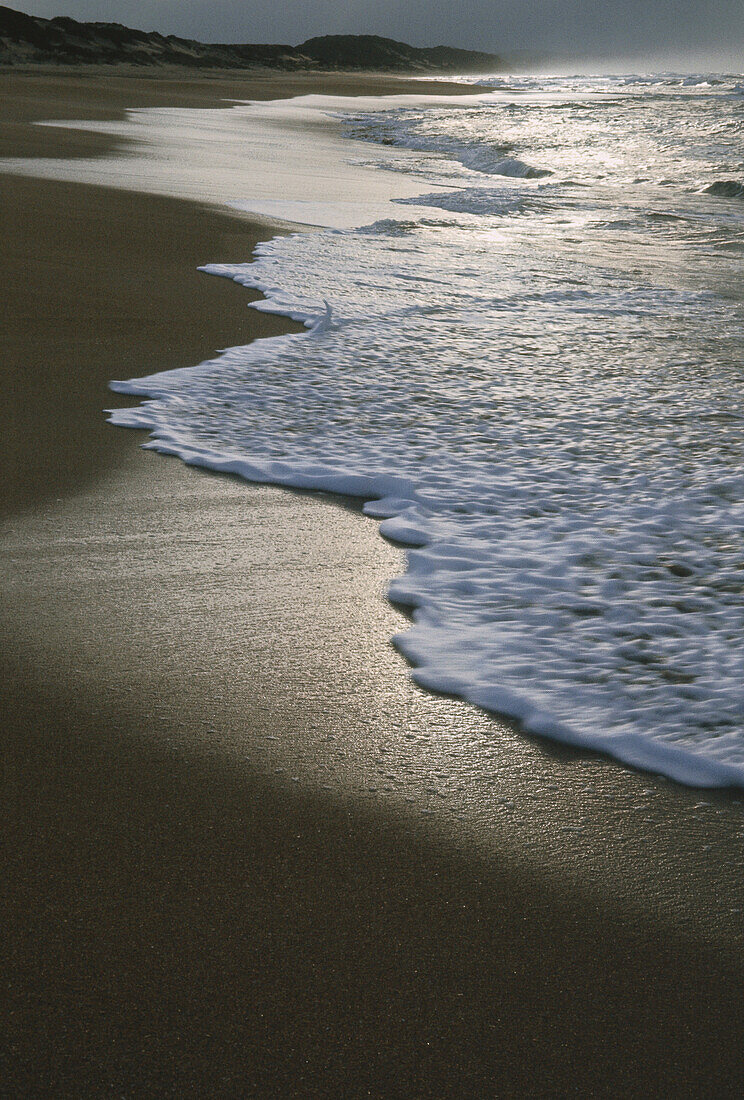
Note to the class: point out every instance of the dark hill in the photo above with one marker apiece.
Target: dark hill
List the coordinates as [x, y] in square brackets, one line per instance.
[368, 51]
[31, 40]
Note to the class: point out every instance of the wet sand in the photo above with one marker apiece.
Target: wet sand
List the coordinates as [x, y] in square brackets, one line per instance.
[244, 855]
[35, 93]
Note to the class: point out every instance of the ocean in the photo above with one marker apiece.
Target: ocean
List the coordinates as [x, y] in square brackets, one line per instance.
[524, 353]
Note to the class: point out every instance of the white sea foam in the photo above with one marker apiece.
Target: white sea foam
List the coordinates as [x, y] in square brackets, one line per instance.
[579, 535]
[546, 409]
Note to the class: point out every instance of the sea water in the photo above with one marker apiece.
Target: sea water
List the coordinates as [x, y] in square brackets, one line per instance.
[530, 368]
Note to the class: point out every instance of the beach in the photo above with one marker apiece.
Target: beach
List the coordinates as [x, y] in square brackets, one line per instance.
[245, 855]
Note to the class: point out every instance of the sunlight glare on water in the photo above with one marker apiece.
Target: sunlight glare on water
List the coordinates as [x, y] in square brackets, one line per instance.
[533, 372]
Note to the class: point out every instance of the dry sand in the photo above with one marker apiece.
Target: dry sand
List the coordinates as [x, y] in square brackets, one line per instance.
[244, 855]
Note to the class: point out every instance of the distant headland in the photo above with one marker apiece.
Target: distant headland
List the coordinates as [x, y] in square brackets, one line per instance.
[31, 40]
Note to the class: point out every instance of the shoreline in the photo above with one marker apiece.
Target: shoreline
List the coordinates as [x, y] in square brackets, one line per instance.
[29, 96]
[246, 854]
[76, 292]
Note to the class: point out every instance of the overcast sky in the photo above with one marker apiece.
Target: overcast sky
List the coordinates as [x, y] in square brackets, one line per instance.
[697, 29]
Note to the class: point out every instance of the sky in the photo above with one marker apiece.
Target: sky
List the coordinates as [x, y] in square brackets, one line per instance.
[710, 31]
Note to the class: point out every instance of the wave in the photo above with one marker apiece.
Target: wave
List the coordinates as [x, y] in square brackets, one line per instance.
[405, 131]
[490, 162]
[511, 166]
[472, 200]
[725, 189]
[554, 430]
[575, 511]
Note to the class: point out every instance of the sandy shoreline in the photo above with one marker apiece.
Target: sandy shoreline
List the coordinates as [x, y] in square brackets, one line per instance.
[244, 855]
